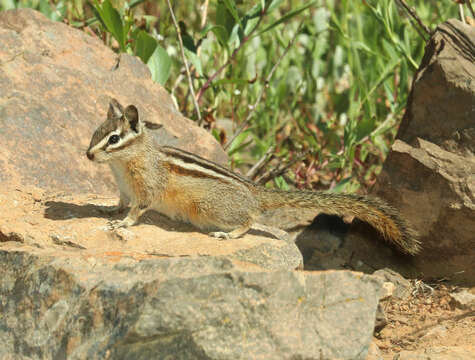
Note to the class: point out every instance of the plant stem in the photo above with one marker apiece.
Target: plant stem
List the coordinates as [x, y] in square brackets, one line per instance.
[187, 68]
[470, 7]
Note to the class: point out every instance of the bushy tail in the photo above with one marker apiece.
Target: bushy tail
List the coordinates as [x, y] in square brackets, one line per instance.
[371, 210]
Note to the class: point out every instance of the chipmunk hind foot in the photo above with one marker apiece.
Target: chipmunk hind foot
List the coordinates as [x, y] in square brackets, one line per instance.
[234, 234]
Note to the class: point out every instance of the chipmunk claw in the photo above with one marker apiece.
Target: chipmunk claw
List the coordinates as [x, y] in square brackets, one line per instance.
[116, 224]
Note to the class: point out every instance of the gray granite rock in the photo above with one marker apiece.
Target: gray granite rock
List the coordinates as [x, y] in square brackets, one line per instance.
[58, 305]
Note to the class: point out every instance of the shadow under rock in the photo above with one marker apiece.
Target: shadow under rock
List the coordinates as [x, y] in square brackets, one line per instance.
[325, 234]
[330, 243]
[60, 210]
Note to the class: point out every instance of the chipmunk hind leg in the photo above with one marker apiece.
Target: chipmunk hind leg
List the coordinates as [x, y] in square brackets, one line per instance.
[235, 216]
[232, 227]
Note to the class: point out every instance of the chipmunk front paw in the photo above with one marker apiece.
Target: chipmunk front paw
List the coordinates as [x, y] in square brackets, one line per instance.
[116, 224]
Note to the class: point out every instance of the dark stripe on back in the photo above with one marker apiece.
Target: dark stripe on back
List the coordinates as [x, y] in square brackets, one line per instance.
[190, 158]
[177, 169]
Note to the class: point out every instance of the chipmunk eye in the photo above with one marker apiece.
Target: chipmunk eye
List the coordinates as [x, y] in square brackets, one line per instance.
[114, 139]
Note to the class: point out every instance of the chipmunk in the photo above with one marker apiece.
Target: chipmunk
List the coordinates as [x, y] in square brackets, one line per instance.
[185, 186]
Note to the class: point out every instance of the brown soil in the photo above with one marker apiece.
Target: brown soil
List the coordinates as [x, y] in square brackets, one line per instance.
[427, 318]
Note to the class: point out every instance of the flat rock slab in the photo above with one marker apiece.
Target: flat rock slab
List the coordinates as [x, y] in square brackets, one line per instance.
[55, 305]
[71, 288]
[76, 223]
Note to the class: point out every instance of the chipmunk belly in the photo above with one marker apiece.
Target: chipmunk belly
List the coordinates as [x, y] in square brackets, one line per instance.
[176, 205]
[185, 199]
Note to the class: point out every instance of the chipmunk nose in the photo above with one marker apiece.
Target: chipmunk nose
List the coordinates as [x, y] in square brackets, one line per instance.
[89, 155]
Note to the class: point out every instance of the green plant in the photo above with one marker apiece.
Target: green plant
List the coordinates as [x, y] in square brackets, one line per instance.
[132, 39]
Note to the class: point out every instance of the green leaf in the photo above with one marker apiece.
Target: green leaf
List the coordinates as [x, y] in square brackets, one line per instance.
[145, 45]
[364, 128]
[251, 25]
[45, 8]
[219, 31]
[231, 6]
[281, 183]
[159, 64]
[288, 16]
[112, 21]
[195, 60]
[243, 82]
[274, 5]
[239, 142]
[134, 3]
[340, 187]
[234, 37]
[216, 135]
[7, 4]
[254, 12]
[225, 20]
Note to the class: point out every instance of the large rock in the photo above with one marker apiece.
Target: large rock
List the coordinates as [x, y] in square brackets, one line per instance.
[55, 86]
[429, 176]
[73, 305]
[430, 172]
[71, 288]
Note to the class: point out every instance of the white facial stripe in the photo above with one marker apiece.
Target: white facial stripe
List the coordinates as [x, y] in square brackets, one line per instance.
[104, 141]
[127, 138]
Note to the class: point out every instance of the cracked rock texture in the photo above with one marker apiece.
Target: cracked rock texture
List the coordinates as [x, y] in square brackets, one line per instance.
[57, 305]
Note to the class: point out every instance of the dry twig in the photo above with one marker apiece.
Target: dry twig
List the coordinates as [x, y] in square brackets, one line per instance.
[414, 15]
[187, 68]
[470, 7]
[280, 170]
[462, 15]
[261, 163]
[204, 14]
[419, 287]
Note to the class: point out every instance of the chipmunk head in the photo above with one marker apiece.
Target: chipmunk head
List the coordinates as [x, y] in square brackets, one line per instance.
[113, 137]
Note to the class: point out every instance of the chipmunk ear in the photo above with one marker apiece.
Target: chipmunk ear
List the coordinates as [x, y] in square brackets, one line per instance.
[115, 110]
[132, 116]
